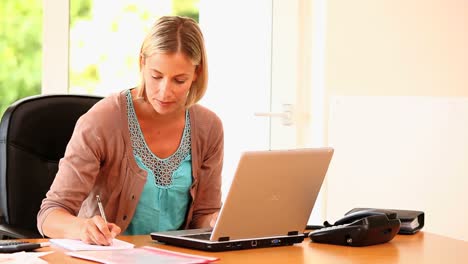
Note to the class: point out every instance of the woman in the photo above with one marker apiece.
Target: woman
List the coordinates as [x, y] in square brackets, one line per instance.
[152, 154]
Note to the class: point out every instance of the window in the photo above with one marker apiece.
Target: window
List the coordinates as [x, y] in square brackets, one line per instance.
[105, 40]
[20, 50]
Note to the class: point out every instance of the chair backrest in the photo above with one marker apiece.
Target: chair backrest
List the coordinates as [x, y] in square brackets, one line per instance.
[34, 133]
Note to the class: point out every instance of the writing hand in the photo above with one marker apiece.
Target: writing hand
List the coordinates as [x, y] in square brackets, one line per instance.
[95, 231]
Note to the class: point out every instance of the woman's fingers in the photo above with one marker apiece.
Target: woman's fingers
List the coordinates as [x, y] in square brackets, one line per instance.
[103, 234]
[96, 231]
[114, 229]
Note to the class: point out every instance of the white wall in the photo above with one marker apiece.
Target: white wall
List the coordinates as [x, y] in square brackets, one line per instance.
[405, 152]
[396, 83]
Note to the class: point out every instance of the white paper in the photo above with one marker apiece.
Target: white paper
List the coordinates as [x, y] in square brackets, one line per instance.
[78, 245]
[23, 257]
[142, 255]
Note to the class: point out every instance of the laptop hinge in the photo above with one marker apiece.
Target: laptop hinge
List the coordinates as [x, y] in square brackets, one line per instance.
[293, 233]
[222, 239]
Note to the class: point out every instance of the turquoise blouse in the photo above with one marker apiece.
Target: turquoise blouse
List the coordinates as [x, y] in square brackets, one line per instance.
[165, 198]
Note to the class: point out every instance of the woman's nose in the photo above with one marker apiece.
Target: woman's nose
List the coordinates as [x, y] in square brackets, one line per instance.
[165, 90]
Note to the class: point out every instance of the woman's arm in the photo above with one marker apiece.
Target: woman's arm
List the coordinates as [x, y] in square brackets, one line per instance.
[76, 177]
[208, 198]
[60, 223]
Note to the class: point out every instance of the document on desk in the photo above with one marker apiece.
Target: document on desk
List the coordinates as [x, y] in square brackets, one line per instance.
[23, 257]
[145, 254]
[78, 245]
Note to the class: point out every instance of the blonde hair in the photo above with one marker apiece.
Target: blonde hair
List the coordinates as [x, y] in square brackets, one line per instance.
[171, 34]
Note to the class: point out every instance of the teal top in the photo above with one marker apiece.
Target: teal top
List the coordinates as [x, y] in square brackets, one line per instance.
[165, 198]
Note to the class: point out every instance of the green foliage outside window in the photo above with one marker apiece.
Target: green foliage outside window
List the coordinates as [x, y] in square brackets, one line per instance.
[21, 45]
[104, 43]
[186, 8]
[20, 50]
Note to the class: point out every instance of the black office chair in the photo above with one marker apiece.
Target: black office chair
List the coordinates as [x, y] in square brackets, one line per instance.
[34, 133]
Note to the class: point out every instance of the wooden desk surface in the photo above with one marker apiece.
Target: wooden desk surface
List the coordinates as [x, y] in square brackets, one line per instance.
[420, 248]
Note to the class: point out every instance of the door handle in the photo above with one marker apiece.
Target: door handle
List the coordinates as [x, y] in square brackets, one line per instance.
[286, 116]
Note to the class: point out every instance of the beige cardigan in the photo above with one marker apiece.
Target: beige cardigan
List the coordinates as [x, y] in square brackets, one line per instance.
[99, 160]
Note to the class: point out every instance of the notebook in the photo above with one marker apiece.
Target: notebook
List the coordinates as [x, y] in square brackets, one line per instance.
[268, 204]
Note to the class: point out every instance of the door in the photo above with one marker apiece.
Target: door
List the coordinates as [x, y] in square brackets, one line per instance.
[260, 85]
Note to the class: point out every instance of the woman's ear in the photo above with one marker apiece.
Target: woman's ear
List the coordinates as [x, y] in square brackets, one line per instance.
[142, 61]
[197, 72]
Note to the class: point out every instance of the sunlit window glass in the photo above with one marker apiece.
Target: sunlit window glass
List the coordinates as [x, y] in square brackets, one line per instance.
[105, 38]
[20, 50]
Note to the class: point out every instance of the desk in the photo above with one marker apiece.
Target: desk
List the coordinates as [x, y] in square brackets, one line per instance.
[420, 248]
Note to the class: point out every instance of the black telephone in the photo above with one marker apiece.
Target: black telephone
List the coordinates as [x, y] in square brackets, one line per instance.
[362, 228]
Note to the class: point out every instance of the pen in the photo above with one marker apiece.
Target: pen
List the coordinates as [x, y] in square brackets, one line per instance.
[101, 209]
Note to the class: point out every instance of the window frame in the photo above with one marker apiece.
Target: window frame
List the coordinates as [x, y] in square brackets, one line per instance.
[55, 47]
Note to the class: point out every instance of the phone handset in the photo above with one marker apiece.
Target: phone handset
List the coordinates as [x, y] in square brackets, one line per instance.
[361, 228]
[362, 214]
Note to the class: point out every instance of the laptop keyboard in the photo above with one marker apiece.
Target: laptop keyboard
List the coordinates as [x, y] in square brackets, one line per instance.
[203, 236]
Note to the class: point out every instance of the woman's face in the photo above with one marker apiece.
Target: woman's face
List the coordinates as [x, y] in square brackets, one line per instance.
[168, 78]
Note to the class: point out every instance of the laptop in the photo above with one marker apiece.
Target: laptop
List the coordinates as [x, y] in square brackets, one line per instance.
[268, 204]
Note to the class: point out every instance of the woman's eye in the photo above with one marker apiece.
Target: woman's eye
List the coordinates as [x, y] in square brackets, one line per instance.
[180, 81]
[156, 77]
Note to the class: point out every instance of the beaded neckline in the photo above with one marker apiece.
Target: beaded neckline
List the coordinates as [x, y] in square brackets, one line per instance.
[161, 168]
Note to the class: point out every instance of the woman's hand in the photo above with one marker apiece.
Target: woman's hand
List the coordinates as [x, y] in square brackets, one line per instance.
[214, 218]
[95, 231]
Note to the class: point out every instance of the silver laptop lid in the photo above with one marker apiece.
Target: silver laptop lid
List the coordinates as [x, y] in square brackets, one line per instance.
[272, 193]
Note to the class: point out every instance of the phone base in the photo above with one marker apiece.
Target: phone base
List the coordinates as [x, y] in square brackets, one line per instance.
[371, 230]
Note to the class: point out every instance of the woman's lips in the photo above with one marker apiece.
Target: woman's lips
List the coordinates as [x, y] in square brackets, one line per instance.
[163, 103]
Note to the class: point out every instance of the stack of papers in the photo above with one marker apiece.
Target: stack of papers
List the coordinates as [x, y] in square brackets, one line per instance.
[124, 252]
[141, 255]
[78, 245]
[411, 225]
